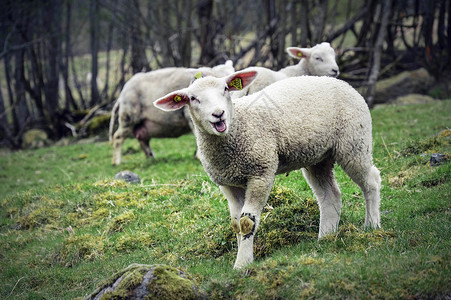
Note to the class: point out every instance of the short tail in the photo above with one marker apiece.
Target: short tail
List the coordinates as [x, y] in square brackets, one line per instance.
[113, 120]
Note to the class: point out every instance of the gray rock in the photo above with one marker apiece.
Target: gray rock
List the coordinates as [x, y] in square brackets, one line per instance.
[128, 176]
[437, 159]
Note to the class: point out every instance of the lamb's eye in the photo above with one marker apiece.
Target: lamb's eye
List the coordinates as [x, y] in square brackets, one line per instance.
[319, 59]
[192, 98]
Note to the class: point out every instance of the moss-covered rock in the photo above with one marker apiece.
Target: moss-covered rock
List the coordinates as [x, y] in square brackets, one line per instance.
[139, 281]
[99, 124]
[35, 138]
[407, 82]
[413, 99]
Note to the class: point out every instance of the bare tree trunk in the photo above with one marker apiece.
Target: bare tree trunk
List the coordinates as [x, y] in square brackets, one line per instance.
[9, 81]
[108, 51]
[4, 126]
[76, 82]
[281, 34]
[385, 12]
[21, 112]
[123, 71]
[294, 22]
[53, 20]
[69, 99]
[94, 36]
[449, 33]
[138, 51]
[367, 21]
[185, 33]
[319, 21]
[272, 22]
[304, 24]
[207, 52]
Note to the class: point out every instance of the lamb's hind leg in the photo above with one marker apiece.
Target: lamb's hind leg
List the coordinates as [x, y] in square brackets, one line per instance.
[142, 133]
[321, 179]
[145, 147]
[118, 140]
[367, 177]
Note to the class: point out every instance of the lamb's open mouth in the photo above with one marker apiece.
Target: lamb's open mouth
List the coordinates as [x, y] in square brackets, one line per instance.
[220, 126]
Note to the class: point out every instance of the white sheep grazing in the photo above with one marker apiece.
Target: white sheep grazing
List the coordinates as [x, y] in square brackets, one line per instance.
[316, 61]
[137, 115]
[300, 122]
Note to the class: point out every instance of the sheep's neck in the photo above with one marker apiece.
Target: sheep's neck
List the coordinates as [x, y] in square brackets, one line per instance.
[296, 70]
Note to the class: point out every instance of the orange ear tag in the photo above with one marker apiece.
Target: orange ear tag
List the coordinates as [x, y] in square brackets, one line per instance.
[237, 83]
[177, 98]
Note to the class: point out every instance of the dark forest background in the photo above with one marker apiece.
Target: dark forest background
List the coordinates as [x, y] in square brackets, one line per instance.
[62, 60]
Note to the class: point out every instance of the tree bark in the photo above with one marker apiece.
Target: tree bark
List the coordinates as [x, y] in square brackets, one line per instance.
[185, 33]
[52, 15]
[294, 23]
[138, 50]
[304, 24]
[372, 79]
[319, 21]
[21, 112]
[94, 28]
[207, 52]
[69, 99]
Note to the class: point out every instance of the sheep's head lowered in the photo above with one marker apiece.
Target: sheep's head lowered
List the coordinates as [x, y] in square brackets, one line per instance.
[208, 100]
[320, 59]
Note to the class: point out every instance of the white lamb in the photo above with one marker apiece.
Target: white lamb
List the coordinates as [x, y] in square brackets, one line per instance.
[300, 122]
[316, 61]
[137, 115]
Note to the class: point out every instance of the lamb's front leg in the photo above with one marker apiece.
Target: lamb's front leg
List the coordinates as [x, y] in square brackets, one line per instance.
[235, 198]
[257, 193]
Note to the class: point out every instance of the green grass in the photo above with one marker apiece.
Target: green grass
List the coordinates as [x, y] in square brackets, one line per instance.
[66, 224]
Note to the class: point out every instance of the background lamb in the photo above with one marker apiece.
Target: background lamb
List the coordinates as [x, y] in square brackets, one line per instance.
[137, 115]
[243, 144]
[316, 61]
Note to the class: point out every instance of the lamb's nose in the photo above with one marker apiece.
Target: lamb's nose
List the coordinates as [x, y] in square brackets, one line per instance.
[335, 72]
[218, 114]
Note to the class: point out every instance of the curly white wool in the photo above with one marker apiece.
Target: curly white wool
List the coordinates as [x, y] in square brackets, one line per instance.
[301, 122]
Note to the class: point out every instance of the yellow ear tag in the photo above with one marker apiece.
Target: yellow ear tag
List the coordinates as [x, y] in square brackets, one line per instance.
[237, 83]
[198, 75]
[177, 98]
[299, 54]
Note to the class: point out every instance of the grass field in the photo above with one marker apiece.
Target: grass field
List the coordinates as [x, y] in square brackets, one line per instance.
[66, 224]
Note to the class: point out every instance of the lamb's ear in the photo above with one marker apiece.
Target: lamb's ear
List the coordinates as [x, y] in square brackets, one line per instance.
[229, 63]
[240, 80]
[298, 53]
[172, 101]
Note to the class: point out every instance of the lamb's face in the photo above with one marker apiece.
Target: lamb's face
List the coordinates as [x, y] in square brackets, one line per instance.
[209, 101]
[210, 105]
[322, 61]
